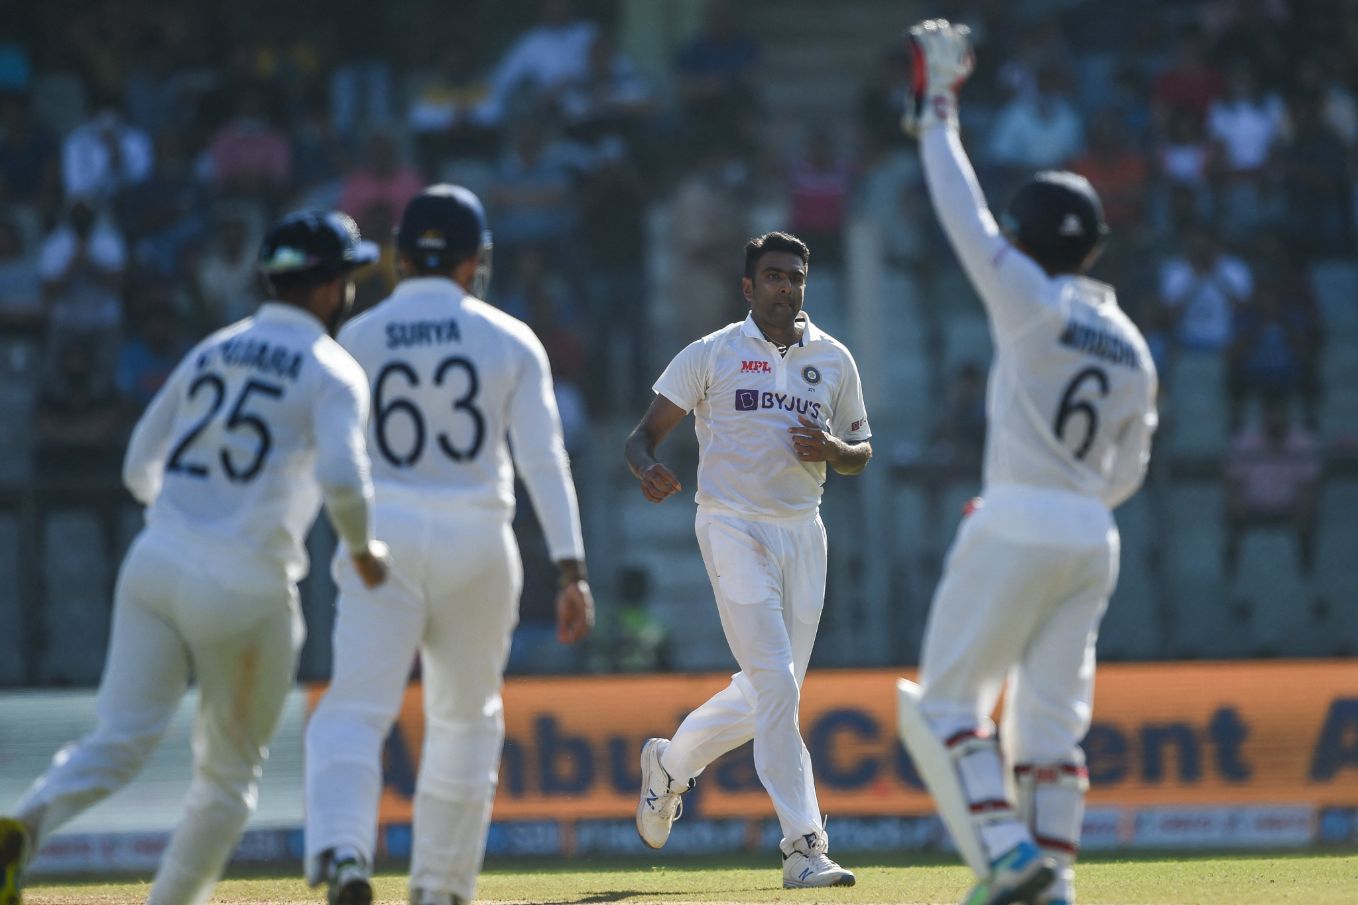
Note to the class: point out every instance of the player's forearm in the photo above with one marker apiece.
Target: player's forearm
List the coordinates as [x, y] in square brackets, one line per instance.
[850, 458]
[350, 511]
[639, 451]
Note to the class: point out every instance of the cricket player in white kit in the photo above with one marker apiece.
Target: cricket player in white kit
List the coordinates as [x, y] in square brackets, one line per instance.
[454, 382]
[774, 401]
[1071, 411]
[259, 423]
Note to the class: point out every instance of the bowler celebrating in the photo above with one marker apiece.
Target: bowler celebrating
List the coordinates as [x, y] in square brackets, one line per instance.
[774, 400]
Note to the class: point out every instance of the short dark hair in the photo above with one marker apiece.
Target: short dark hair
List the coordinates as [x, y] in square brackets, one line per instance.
[775, 241]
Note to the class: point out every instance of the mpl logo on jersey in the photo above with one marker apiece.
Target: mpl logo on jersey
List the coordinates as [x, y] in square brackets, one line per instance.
[755, 367]
[754, 400]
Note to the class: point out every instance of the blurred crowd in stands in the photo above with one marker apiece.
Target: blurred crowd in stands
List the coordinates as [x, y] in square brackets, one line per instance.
[145, 144]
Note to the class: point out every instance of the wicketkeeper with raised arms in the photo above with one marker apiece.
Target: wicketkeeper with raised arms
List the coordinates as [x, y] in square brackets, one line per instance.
[1070, 412]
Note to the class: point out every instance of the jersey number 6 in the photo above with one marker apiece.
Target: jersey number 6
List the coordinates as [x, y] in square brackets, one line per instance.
[1071, 404]
[384, 409]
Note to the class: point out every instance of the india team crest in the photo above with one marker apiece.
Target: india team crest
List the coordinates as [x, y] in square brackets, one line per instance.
[811, 375]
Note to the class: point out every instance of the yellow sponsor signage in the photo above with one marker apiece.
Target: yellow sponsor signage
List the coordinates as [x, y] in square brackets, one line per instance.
[1181, 734]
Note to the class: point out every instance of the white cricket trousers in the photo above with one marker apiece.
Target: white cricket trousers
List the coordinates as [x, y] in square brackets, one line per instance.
[1024, 588]
[769, 581]
[238, 630]
[453, 595]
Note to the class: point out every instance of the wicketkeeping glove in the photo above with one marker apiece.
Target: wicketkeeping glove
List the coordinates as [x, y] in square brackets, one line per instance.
[941, 60]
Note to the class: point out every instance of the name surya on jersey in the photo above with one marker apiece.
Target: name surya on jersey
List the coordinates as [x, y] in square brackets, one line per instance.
[274, 360]
[422, 333]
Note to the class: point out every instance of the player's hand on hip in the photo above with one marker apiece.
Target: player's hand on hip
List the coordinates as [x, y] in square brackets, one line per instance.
[941, 60]
[574, 611]
[373, 564]
[810, 442]
[659, 483]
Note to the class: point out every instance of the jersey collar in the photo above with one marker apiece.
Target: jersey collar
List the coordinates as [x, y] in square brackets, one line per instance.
[424, 285]
[810, 332]
[282, 312]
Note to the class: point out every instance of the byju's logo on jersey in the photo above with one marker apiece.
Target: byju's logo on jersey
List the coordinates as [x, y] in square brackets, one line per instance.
[755, 367]
[754, 400]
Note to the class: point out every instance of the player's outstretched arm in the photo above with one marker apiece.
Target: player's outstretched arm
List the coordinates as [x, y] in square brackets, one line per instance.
[942, 61]
[657, 481]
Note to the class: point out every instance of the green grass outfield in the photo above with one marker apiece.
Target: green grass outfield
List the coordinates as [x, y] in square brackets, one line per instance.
[1191, 879]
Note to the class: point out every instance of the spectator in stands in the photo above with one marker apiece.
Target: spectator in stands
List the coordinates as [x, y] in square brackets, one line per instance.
[153, 348]
[1201, 290]
[1245, 125]
[818, 191]
[446, 114]
[609, 98]
[613, 206]
[1276, 349]
[250, 156]
[30, 167]
[226, 276]
[548, 308]
[1038, 51]
[881, 102]
[887, 194]
[1191, 83]
[533, 194]
[1036, 130]
[534, 288]
[21, 308]
[1260, 32]
[382, 182]
[1319, 184]
[544, 59]
[361, 73]
[959, 436]
[81, 264]
[79, 426]
[1118, 172]
[167, 213]
[718, 74]
[105, 155]
[710, 218]
[1273, 476]
[1183, 155]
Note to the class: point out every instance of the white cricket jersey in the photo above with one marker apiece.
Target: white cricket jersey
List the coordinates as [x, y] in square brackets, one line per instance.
[258, 423]
[744, 396]
[1071, 399]
[454, 382]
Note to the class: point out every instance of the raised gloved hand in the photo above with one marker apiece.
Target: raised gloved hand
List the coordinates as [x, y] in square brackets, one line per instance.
[941, 60]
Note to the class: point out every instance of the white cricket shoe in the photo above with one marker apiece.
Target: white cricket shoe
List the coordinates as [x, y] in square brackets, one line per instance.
[805, 864]
[660, 803]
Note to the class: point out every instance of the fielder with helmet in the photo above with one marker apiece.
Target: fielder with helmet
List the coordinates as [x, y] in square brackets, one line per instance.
[1071, 411]
[453, 381]
[259, 423]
